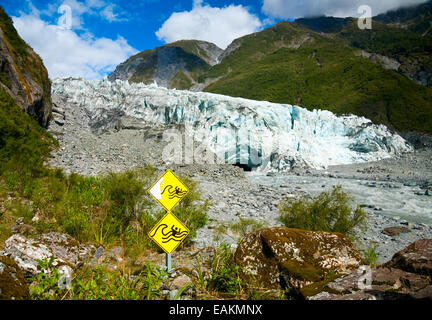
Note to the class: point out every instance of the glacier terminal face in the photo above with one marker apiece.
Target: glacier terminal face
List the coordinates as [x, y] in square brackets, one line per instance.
[258, 134]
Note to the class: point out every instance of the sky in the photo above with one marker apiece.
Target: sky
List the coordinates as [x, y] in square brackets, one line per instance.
[89, 38]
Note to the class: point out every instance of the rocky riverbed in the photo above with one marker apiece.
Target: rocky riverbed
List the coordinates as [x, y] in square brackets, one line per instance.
[396, 193]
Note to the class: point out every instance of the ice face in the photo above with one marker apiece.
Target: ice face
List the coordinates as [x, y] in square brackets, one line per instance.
[259, 134]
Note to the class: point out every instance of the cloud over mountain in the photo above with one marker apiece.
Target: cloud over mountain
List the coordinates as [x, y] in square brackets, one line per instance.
[290, 9]
[217, 25]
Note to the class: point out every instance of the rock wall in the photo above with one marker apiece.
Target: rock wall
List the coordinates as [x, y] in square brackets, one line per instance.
[22, 73]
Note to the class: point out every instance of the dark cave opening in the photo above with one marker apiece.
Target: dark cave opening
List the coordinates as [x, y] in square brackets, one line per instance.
[245, 167]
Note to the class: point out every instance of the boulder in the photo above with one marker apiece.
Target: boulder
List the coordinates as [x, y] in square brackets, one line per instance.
[281, 258]
[396, 231]
[378, 284]
[180, 282]
[406, 276]
[12, 282]
[416, 258]
[65, 250]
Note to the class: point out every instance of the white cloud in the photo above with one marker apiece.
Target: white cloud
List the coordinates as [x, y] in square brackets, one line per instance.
[80, 8]
[217, 25]
[285, 9]
[65, 53]
[108, 14]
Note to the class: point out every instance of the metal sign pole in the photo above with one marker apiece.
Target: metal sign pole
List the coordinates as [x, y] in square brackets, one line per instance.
[168, 263]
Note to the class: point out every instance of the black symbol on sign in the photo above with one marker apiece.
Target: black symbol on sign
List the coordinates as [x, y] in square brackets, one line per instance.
[174, 192]
[174, 234]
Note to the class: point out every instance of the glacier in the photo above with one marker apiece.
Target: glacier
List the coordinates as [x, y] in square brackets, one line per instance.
[261, 135]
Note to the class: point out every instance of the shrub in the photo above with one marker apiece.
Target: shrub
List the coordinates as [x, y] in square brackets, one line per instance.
[246, 226]
[371, 255]
[225, 274]
[23, 143]
[192, 211]
[124, 191]
[330, 211]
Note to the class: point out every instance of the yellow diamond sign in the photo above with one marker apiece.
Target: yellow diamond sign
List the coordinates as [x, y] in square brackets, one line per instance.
[168, 190]
[169, 233]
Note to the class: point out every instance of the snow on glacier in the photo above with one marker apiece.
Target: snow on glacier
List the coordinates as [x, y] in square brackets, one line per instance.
[260, 134]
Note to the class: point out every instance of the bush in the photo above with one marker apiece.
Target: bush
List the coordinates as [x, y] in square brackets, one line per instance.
[192, 211]
[225, 274]
[97, 284]
[246, 226]
[371, 255]
[330, 211]
[23, 143]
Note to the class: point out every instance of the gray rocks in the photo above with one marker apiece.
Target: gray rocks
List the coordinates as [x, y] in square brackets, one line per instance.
[26, 252]
[280, 258]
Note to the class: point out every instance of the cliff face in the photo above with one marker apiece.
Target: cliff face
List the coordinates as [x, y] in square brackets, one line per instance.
[22, 73]
[177, 65]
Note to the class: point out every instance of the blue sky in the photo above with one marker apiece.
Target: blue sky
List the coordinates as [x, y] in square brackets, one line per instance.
[97, 35]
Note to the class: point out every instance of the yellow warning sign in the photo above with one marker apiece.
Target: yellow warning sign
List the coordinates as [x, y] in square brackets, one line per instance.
[169, 233]
[168, 190]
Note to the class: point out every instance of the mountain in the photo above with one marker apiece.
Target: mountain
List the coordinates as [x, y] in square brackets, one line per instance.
[328, 63]
[415, 18]
[22, 74]
[177, 65]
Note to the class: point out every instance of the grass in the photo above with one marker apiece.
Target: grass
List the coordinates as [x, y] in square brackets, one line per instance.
[98, 284]
[330, 211]
[371, 255]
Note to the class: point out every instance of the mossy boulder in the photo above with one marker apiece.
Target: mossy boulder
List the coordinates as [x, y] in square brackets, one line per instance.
[283, 258]
[12, 282]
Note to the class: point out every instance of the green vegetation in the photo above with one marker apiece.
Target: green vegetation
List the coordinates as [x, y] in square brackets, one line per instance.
[371, 255]
[246, 226]
[395, 42]
[322, 74]
[219, 277]
[23, 145]
[225, 274]
[330, 211]
[237, 230]
[181, 81]
[98, 284]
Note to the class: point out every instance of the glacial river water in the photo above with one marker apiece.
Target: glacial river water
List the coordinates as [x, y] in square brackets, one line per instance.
[388, 198]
